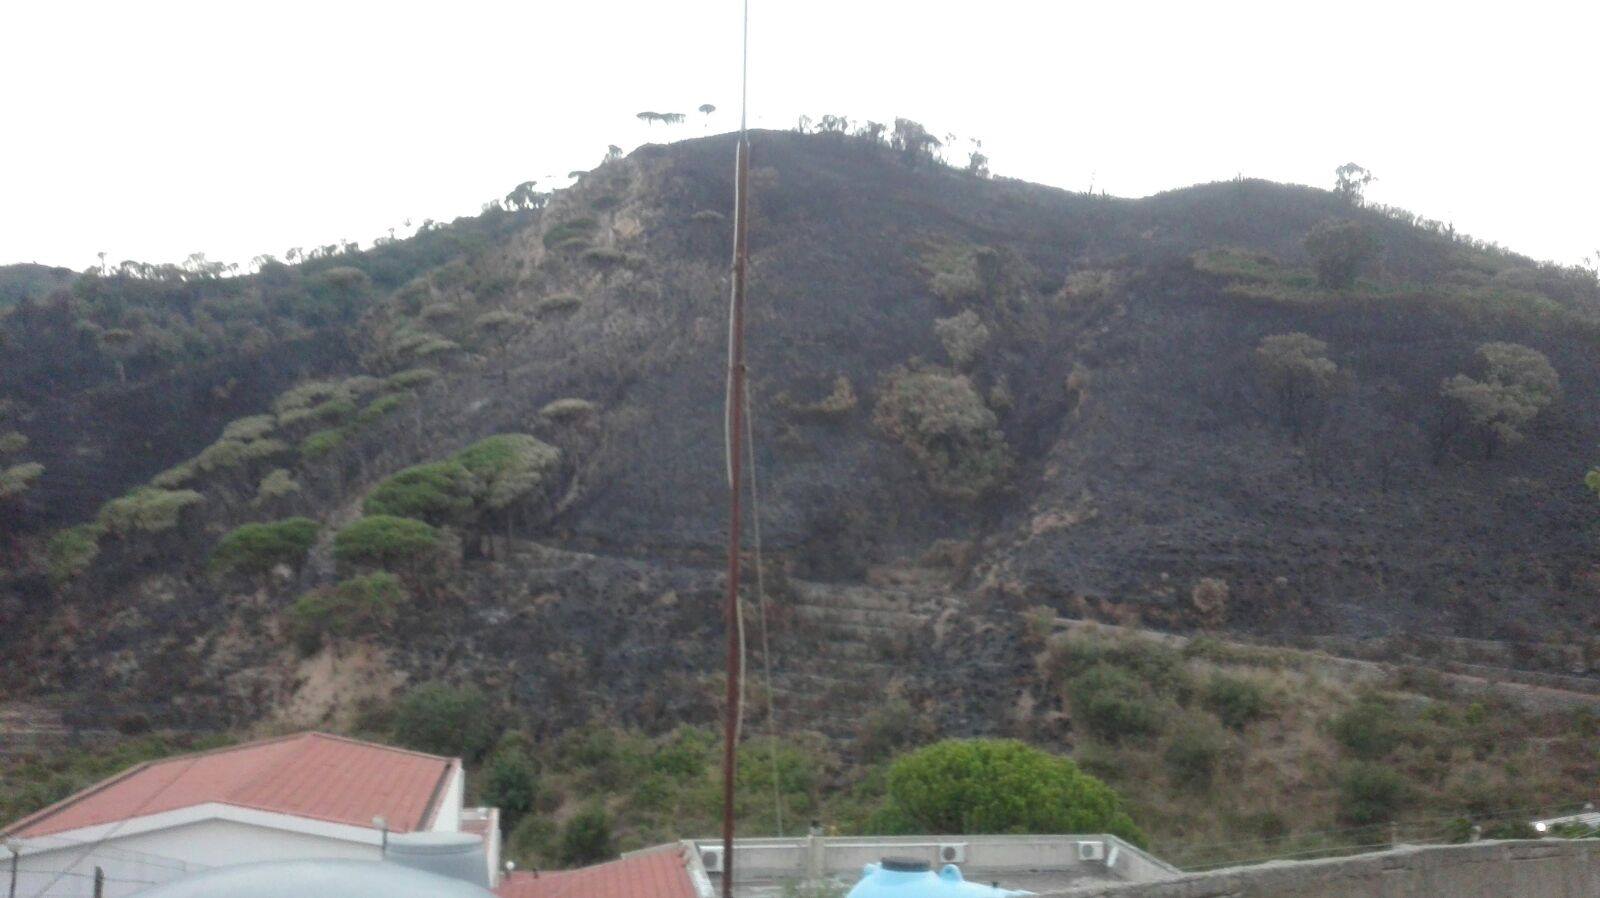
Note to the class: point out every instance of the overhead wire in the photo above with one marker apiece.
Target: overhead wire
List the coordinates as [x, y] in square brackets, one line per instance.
[761, 608]
[90, 846]
[733, 408]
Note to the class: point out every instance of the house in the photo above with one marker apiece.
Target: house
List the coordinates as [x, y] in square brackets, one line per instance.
[774, 867]
[660, 872]
[300, 797]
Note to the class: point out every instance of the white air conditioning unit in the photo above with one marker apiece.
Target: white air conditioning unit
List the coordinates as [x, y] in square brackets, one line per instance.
[711, 859]
[1091, 851]
[952, 852]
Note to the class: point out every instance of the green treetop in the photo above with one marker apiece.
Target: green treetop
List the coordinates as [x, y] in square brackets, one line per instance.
[973, 786]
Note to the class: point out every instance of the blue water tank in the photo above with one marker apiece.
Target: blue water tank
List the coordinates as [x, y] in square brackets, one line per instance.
[908, 878]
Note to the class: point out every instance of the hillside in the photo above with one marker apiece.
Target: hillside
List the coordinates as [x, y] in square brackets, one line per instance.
[971, 397]
[30, 281]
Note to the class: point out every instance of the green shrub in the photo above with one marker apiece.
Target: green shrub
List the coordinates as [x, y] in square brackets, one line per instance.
[1370, 729]
[385, 541]
[956, 287]
[258, 548]
[840, 401]
[961, 274]
[1238, 264]
[322, 443]
[252, 428]
[1235, 701]
[587, 838]
[972, 786]
[445, 720]
[511, 783]
[1518, 384]
[792, 771]
[439, 493]
[17, 479]
[1038, 625]
[71, 551]
[564, 410]
[1112, 705]
[334, 410]
[943, 422]
[500, 324]
[339, 288]
[534, 840]
[439, 311]
[964, 337]
[380, 407]
[891, 727]
[605, 258]
[1089, 284]
[12, 442]
[146, 510]
[413, 294]
[651, 793]
[1517, 829]
[175, 476]
[569, 231]
[305, 395]
[220, 456]
[1194, 751]
[278, 484]
[490, 475]
[683, 754]
[557, 303]
[607, 756]
[359, 606]
[1157, 666]
[1297, 372]
[508, 467]
[410, 379]
[1340, 251]
[1370, 793]
[355, 387]
[227, 454]
[434, 347]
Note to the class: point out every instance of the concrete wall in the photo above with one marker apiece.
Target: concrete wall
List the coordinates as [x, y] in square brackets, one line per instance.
[448, 817]
[1536, 869]
[985, 858]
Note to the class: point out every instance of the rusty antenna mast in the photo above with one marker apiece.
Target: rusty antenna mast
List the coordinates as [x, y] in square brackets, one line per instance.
[733, 438]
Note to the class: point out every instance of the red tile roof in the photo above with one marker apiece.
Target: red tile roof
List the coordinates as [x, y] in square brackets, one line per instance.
[657, 874]
[313, 775]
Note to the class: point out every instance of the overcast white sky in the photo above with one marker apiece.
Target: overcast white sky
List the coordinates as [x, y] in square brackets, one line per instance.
[152, 129]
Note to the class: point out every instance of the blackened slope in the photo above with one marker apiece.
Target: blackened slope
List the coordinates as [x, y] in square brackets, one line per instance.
[1170, 455]
[1144, 456]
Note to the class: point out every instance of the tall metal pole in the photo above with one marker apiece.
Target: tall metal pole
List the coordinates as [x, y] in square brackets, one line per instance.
[735, 416]
[734, 421]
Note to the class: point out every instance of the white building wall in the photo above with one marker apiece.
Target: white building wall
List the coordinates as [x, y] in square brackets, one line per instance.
[491, 848]
[448, 819]
[143, 851]
[69, 872]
